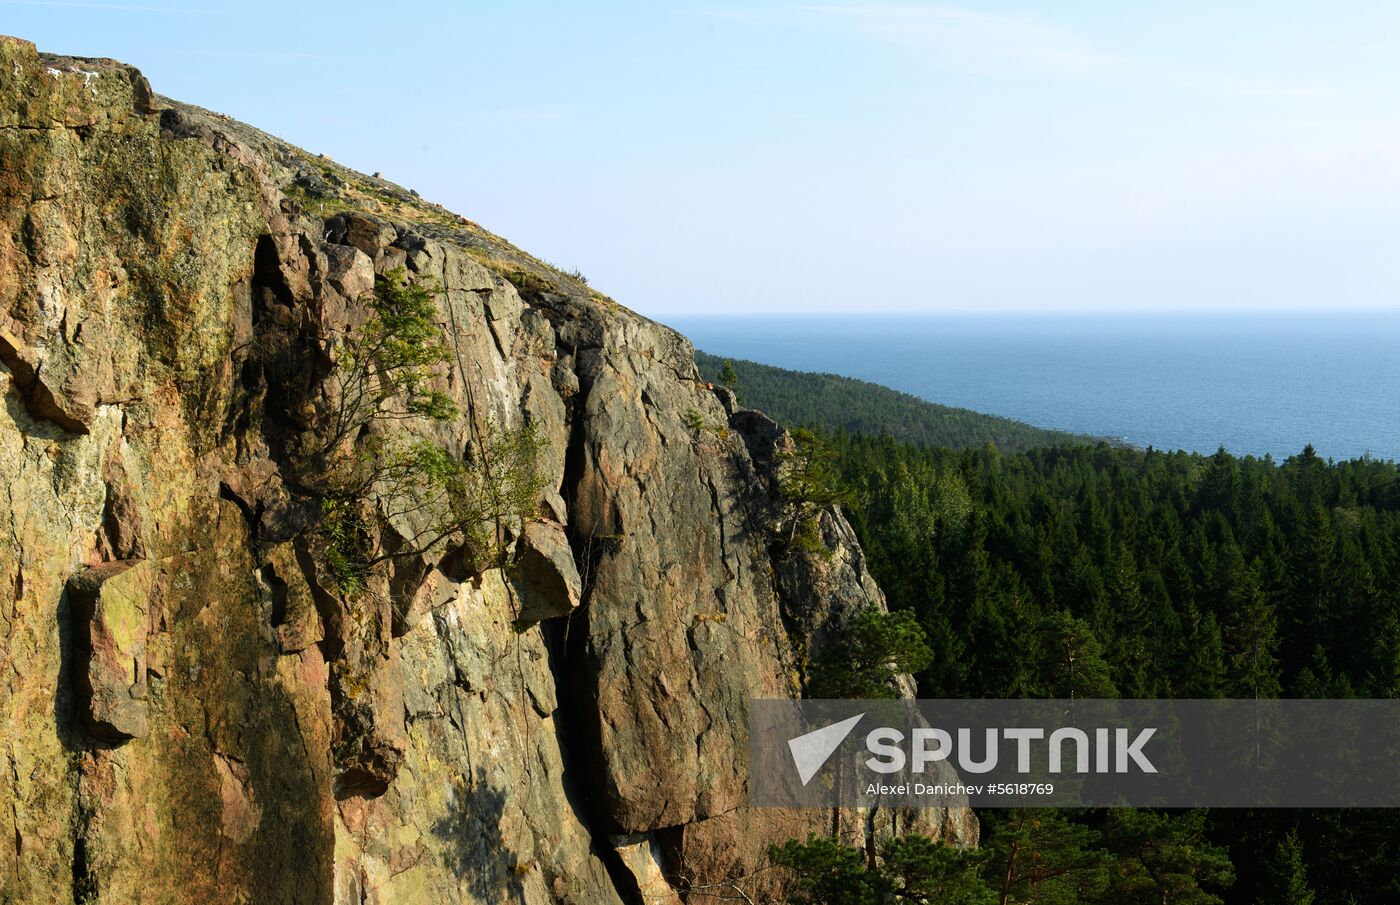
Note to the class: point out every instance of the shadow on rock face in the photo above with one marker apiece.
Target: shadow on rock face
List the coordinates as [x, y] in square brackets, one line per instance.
[477, 854]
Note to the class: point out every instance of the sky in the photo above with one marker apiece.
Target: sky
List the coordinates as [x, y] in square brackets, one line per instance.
[822, 158]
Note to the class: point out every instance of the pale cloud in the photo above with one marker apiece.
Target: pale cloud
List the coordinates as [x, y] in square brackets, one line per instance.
[972, 40]
[258, 54]
[981, 43]
[116, 7]
[1241, 87]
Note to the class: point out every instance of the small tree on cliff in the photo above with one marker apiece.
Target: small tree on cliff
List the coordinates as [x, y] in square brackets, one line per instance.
[810, 486]
[467, 499]
[730, 378]
[876, 649]
[384, 372]
[385, 367]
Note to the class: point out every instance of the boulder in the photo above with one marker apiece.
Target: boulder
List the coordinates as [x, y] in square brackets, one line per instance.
[546, 573]
[109, 605]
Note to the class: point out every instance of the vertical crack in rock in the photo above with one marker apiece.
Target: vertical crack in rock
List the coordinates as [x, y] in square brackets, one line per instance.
[565, 638]
[571, 733]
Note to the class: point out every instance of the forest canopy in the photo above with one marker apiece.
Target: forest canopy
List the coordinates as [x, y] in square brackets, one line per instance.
[803, 399]
[1058, 569]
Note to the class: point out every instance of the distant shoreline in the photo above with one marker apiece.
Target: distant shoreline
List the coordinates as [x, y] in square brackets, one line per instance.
[1254, 385]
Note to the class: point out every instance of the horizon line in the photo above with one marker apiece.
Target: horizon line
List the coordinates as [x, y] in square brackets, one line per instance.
[1031, 312]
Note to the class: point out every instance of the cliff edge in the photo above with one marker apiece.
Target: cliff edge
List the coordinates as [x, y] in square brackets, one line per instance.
[194, 713]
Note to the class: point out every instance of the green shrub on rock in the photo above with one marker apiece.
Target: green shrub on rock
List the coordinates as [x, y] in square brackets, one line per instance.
[371, 474]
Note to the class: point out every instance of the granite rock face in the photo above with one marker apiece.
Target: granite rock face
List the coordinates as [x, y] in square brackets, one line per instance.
[194, 713]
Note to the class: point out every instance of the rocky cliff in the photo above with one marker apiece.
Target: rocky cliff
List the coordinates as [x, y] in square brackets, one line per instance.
[193, 713]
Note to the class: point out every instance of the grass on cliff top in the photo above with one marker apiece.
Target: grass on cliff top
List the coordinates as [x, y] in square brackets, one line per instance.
[349, 190]
[830, 402]
[322, 187]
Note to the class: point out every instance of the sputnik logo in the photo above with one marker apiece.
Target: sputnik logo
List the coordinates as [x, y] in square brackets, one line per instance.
[811, 751]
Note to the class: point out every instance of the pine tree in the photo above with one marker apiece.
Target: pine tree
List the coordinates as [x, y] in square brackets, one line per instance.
[1162, 857]
[1202, 672]
[730, 378]
[916, 870]
[1310, 593]
[1251, 642]
[1039, 855]
[876, 648]
[1385, 672]
[811, 485]
[1131, 658]
[825, 872]
[1287, 882]
[1074, 665]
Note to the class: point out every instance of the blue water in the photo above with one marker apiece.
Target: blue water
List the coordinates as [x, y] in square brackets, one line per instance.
[1253, 384]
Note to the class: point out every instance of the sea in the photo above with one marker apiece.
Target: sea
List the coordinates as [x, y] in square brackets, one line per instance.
[1255, 384]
